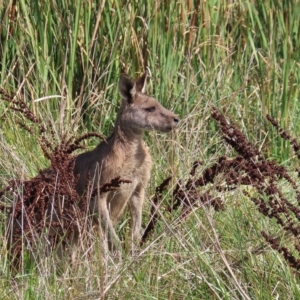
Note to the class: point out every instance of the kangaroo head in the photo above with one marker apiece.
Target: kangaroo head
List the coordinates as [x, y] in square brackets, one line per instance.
[140, 112]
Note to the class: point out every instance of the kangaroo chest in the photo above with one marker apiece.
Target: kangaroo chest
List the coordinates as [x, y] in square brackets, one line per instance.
[137, 170]
[135, 166]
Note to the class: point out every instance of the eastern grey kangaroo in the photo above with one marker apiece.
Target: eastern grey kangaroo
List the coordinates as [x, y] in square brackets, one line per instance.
[126, 155]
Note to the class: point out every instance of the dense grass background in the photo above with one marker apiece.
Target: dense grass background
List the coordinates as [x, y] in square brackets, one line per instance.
[243, 57]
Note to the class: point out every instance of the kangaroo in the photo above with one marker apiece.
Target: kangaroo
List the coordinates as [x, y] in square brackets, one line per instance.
[124, 154]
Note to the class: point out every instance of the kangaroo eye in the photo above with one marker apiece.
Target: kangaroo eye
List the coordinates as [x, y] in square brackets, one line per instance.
[150, 109]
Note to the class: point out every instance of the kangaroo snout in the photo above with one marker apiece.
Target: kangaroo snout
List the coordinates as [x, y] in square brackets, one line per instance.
[173, 122]
[176, 120]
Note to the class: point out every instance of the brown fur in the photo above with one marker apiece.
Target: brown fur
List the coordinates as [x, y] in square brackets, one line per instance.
[126, 155]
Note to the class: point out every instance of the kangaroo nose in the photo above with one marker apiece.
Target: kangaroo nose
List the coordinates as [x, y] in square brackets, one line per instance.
[176, 120]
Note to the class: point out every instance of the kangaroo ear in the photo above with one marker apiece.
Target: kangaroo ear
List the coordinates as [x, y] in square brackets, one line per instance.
[141, 83]
[127, 87]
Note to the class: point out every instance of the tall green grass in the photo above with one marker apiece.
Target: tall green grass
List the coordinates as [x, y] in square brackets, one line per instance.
[243, 57]
[231, 53]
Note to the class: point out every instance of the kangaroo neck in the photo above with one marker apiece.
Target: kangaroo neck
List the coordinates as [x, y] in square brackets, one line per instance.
[126, 136]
